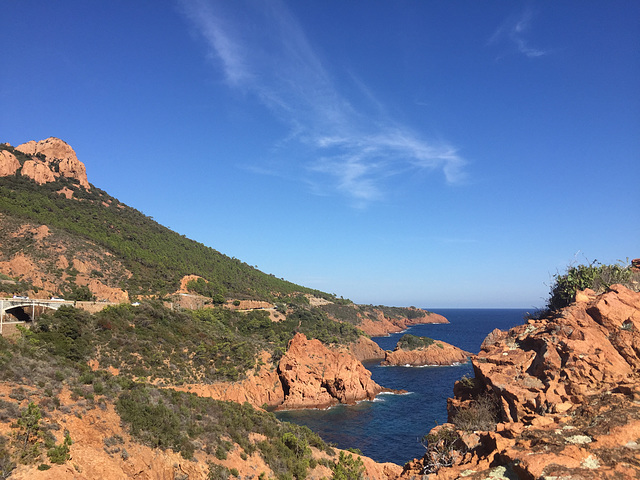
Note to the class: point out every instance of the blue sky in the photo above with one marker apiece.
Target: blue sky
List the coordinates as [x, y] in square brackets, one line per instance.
[437, 154]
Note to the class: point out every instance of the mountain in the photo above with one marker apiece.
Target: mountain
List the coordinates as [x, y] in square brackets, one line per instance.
[43, 183]
[64, 237]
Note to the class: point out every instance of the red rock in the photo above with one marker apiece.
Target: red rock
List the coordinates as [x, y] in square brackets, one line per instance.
[438, 353]
[569, 391]
[9, 164]
[385, 325]
[365, 349]
[39, 172]
[57, 151]
[314, 376]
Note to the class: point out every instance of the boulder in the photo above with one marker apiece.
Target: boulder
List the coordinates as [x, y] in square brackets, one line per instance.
[8, 163]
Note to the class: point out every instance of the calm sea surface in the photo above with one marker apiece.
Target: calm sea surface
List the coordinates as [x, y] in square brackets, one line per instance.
[389, 428]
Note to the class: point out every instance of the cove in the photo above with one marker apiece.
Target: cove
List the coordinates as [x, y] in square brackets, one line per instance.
[389, 428]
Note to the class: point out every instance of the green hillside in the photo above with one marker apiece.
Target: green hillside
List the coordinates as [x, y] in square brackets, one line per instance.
[157, 256]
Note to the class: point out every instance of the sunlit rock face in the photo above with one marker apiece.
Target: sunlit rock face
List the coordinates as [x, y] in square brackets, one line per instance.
[438, 353]
[56, 158]
[567, 394]
[314, 376]
[9, 164]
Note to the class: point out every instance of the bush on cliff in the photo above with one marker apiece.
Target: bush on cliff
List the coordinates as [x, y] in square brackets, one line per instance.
[482, 413]
[443, 447]
[595, 276]
[411, 342]
[348, 468]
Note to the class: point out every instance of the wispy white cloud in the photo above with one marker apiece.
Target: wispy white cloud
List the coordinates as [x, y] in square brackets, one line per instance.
[514, 32]
[263, 50]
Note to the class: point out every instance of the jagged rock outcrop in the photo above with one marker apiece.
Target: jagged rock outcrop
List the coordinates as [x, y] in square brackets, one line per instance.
[567, 393]
[384, 325]
[365, 349]
[55, 158]
[9, 164]
[314, 376]
[261, 386]
[438, 353]
[309, 375]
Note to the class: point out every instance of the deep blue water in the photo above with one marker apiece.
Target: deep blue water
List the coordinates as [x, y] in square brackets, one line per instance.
[389, 428]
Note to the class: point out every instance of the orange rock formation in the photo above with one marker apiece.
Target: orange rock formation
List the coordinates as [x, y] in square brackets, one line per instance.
[384, 325]
[313, 376]
[568, 394]
[365, 349]
[309, 375]
[9, 164]
[55, 158]
[438, 353]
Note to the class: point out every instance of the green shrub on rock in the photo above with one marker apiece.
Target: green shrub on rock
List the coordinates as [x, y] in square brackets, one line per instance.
[595, 276]
[411, 342]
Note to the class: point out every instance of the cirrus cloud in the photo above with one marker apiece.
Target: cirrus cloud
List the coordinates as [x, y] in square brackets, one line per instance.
[263, 51]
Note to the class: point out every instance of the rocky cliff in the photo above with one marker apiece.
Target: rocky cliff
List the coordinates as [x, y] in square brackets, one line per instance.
[309, 375]
[365, 349]
[54, 158]
[314, 376]
[384, 325]
[438, 353]
[566, 397]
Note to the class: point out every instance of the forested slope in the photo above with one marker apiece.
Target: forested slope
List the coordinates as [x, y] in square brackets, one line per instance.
[156, 256]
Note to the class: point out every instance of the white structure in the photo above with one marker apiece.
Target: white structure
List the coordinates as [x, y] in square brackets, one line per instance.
[9, 303]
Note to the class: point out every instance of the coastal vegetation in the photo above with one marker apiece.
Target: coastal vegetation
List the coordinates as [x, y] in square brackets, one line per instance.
[53, 356]
[594, 275]
[443, 447]
[412, 342]
[175, 347]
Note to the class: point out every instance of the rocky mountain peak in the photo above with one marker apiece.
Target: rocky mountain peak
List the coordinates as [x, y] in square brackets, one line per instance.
[51, 159]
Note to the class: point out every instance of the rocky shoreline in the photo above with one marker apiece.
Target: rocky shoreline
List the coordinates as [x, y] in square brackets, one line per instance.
[383, 325]
[309, 375]
[566, 393]
[437, 354]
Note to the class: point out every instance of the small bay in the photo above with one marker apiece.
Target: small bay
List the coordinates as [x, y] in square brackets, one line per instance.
[389, 429]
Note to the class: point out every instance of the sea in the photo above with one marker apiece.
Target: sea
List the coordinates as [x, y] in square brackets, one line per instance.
[390, 428]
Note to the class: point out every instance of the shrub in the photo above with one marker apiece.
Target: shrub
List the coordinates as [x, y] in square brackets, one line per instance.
[443, 448]
[28, 438]
[595, 276]
[482, 413]
[411, 342]
[60, 454]
[348, 468]
[217, 472]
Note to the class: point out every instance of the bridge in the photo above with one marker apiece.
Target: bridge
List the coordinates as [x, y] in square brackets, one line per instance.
[23, 309]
